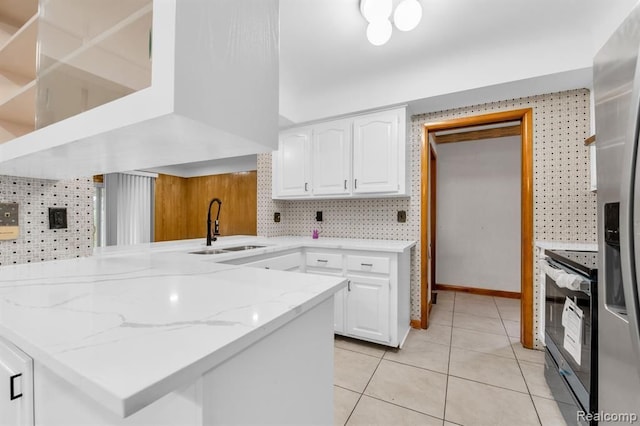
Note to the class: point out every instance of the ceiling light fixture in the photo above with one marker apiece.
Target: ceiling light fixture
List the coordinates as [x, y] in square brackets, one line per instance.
[377, 13]
[375, 10]
[407, 15]
[379, 32]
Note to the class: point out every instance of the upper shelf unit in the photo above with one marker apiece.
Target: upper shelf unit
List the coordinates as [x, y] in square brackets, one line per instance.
[18, 54]
[91, 53]
[18, 38]
[114, 95]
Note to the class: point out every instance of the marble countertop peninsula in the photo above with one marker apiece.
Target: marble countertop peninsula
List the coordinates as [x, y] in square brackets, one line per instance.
[131, 324]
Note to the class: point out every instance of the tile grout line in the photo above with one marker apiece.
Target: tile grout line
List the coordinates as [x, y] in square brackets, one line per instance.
[365, 388]
[446, 387]
[490, 384]
[403, 407]
[520, 367]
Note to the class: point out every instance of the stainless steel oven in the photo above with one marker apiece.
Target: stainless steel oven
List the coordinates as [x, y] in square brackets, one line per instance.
[571, 332]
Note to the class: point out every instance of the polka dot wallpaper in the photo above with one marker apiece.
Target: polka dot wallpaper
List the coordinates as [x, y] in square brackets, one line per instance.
[565, 209]
[36, 242]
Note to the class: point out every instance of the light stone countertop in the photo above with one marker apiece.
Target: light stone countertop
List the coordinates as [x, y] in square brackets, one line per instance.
[552, 245]
[131, 324]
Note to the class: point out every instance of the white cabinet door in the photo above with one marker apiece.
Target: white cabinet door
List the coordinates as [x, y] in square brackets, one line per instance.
[375, 152]
[368, 308]
[294, 163]
[16, 386]
[338, 311]
[332, 158]
[338, 302]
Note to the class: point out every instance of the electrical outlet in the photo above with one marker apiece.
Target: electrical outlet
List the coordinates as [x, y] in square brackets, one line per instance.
[402, 216]
[276, 217]
[8, 215]
[318, 216]
[57, 218]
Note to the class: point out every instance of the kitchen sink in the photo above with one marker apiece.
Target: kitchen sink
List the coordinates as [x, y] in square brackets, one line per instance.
[240, 248]
[225, 250]
[209, 251]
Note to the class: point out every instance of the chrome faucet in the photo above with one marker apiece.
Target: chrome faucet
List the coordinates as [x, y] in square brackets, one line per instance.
[216, 226]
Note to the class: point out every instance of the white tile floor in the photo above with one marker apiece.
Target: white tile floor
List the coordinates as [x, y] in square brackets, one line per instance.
[468, 368]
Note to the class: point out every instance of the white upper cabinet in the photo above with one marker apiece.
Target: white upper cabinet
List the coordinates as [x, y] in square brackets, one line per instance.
[331, 157]
[198, 79]
[375, 153]
[294, 172]
[355, 157]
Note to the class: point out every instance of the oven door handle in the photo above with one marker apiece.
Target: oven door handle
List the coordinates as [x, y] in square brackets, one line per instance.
[564, 279]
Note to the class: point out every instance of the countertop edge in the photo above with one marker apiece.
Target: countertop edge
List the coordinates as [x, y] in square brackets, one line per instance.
[189, 374]
[131, 404]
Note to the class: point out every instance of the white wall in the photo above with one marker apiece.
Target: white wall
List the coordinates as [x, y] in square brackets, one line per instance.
[478, 222]
[547, 58]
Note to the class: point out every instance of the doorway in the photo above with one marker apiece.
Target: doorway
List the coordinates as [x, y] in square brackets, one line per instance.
[428, 192]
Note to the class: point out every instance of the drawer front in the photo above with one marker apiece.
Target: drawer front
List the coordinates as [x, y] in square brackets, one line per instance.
[324, 260]
[281, 263]
[375, 264]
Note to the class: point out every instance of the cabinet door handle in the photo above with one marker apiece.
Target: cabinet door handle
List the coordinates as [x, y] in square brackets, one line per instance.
[323, 260]
[345, 184]
[12, 386]
[355, 183]
[367, 264]
[349, 285]
[306, 185]
[266, 267]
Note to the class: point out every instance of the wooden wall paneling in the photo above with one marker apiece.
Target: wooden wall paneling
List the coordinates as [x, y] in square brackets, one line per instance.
[170, 220]
[238, 192]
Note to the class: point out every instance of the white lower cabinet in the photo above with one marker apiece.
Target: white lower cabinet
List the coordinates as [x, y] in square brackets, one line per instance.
[16, 391]
[367, 308]
[339, 301]
[375, 304]
[323, 263]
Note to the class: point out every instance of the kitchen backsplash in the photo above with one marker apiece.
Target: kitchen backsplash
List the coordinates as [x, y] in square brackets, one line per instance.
[36, 242]
[565, 209]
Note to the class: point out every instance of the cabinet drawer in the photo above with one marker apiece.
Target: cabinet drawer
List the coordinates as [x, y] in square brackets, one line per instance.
[281, 263]
[324, 260]
[379, 265]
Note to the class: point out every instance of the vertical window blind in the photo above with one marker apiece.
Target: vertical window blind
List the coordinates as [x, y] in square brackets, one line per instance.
[129, 199]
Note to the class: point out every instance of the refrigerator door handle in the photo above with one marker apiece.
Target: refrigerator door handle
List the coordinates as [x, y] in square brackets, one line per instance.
[630, 217]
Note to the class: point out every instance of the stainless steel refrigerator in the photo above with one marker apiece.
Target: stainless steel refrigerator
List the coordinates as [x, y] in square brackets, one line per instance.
[617, 109]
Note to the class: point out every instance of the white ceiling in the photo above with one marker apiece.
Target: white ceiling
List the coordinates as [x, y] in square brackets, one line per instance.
[464, 52]
[327, 66]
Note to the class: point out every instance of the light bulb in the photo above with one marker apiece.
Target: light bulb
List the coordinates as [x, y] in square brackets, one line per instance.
[407, 15]
[374, 10]
[379, 32]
